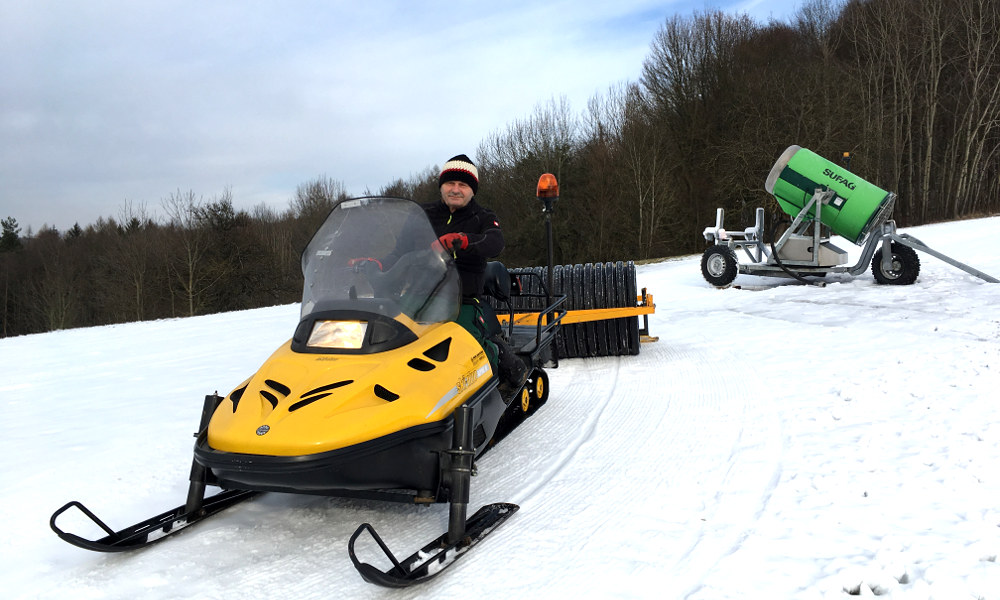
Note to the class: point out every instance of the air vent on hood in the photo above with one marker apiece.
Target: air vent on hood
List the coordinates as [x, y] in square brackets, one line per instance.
[327, 388]
[318, 394]
[278, 387]
[270, 398]
[439, 352]
[420, 364]
[385, 394]
[236, 395]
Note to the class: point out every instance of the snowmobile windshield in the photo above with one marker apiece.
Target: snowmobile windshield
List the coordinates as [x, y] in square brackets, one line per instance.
[380, 255]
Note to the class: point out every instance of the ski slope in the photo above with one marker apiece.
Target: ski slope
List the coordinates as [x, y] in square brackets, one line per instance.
[778, 441]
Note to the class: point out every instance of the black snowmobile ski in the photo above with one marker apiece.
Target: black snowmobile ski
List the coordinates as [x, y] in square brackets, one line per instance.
[151, 530]
[462, 534]
[436, 556]
[197, 508]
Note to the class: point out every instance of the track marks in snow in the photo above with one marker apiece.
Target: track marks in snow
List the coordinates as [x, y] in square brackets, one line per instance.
[722, 481]
[696, 491]
[590, 409]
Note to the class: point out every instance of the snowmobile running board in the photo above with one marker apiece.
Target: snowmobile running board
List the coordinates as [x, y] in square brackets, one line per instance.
[145, 533]
[433, 558]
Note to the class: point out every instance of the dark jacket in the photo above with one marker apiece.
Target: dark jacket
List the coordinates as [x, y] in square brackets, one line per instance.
[480, 225]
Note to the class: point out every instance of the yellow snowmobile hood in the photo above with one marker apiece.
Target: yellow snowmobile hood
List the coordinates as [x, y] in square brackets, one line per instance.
[300, 403]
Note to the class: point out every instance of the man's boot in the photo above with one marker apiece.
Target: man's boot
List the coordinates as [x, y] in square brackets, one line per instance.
[512, 370]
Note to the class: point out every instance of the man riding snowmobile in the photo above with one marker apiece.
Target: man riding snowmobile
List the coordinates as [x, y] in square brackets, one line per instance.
[471, 232]
[379, 394]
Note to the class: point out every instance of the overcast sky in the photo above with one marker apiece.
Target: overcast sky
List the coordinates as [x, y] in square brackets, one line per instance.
[105, 103]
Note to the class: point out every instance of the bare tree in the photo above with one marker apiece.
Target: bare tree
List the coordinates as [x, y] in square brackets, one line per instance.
[974, 144]
[510, 163]
[191, 241]
[55, 289]
[125, 262]
[640, 166]
[315, 199]
[689, 80]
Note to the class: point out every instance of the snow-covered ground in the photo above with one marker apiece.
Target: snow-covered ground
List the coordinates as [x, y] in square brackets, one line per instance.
[778, 441]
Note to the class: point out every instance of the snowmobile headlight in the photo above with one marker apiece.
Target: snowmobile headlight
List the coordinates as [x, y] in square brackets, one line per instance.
[348, 335]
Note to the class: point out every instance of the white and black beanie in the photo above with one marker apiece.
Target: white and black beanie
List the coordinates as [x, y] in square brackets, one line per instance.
[460, 168]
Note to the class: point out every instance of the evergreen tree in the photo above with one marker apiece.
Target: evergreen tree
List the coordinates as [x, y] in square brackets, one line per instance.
[10, 238]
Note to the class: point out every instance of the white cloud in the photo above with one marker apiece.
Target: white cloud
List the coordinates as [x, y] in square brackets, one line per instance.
[109, 101]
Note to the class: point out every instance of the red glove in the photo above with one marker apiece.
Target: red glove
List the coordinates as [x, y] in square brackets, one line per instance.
[454, 241]
[356, 261]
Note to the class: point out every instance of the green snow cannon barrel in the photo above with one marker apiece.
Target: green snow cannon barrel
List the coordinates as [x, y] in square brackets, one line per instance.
[851, 213]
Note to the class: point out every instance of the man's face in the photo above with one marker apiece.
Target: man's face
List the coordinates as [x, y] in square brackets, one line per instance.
[455, 194]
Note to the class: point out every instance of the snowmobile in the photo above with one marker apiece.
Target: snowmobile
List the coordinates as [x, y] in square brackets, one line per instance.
[379, 394]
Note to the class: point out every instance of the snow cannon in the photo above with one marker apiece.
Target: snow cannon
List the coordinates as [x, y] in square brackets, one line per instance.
[822, 199]
[851, 212]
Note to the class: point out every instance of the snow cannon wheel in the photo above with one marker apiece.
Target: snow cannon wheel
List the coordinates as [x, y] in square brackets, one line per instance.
[905, 266]
[719, 265]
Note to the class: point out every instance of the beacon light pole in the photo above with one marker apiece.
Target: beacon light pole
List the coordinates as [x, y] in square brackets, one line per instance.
[548, 193]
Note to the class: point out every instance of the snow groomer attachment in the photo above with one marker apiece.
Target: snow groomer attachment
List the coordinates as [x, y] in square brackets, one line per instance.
[605, 312]
[822, 199]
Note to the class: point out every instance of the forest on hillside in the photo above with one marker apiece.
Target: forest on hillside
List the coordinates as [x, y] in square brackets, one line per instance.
[910, 88]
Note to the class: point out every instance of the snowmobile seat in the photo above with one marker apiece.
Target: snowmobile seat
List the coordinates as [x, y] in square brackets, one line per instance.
[497, 281]
[497, 284]
[502, 285]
